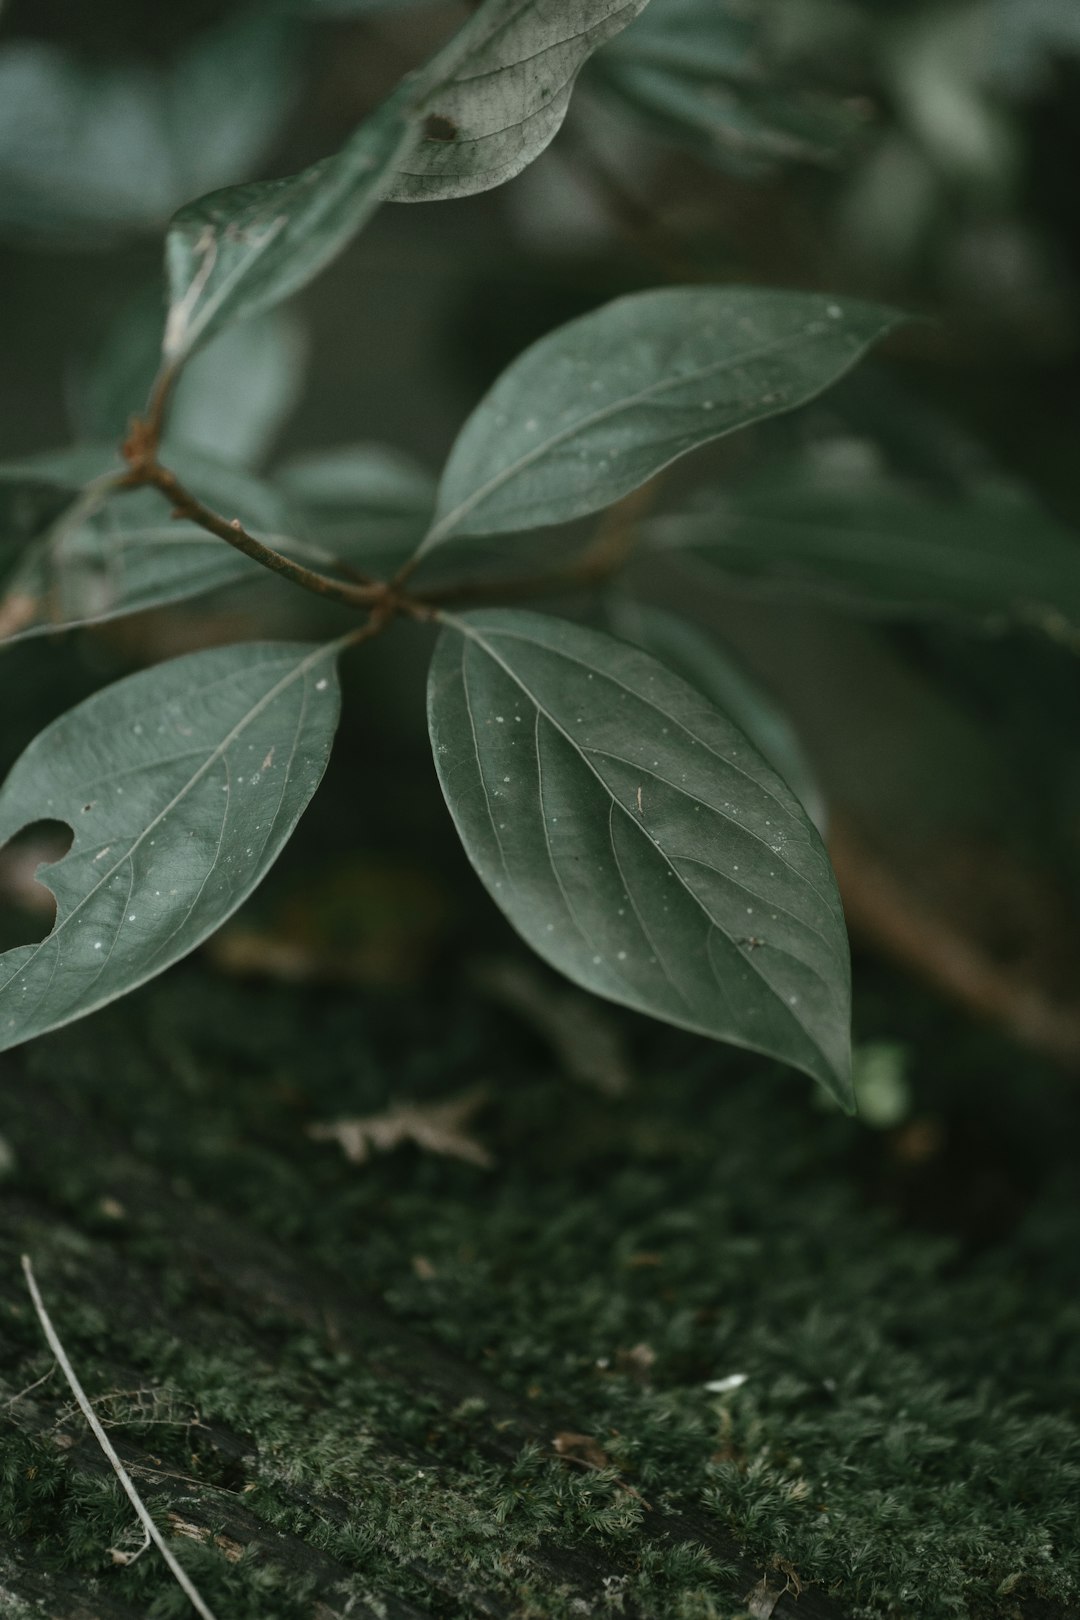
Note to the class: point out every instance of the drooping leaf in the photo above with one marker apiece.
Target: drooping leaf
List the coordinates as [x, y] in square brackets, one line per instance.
[713, 75]
[474, 116]
[229, 402]
[636, 840]
[365, 503]
[238, 252]
[182, 784]
[707, 665]
[837, 527]
[124, 552]
[495, 98]
[597, 407]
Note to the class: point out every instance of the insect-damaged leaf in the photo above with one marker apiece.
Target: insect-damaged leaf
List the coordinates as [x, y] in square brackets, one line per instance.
[636, 840]
[499, 92]
[181, 783]
[595, 408]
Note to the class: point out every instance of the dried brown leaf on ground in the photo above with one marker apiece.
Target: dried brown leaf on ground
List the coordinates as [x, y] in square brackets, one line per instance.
[580, 1448]
[440, 1127]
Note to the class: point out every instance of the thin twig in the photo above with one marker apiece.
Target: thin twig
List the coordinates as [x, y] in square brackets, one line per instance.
[106, 1445]
[13, 1400]
[234, 534]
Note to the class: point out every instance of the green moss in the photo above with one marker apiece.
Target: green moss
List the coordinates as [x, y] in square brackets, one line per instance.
[907, 1435]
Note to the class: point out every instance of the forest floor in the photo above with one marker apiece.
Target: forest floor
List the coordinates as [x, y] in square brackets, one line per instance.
[701, 1350]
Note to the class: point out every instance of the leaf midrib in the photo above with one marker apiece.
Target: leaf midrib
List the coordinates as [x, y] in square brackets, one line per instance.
[464, 628]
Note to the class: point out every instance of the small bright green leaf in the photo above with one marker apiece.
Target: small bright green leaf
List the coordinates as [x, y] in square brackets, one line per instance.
[123, 552]
[636, 840]
[229, 402]
[237, 252]
[364, 503]
[495, 98]
[713, 670]
[182, 785]
[597, 407]
[851, 532]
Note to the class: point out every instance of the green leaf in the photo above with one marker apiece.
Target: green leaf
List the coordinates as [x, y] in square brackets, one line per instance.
[636, 840]
[474, 116]
[364, 503]
[239, 251]
[718, 674]
[182, 785]
[230, 401]
[113, 552]
[597, 407]
[712, 75]
[496, 97]
[834, 525]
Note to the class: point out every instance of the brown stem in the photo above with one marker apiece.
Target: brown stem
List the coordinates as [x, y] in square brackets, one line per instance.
[232, 531]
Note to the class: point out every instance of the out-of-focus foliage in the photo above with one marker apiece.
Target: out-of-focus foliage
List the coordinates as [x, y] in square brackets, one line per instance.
[90, 149]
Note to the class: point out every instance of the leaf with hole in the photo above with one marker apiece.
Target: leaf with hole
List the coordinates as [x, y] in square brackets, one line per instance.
[597, 407]
[636, 840]
[182, 784]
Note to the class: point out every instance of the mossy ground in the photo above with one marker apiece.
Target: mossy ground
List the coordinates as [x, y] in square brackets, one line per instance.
[902, 1303]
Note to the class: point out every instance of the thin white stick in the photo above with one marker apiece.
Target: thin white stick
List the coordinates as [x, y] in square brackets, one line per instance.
[106, 1445]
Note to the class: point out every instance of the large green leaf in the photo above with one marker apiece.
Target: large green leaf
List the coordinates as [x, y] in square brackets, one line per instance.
[705, 663]
[839, 527]
[595, 408]
[498, 94]
[123, 552]
[181, 784]
[239, 251]
[636, 839]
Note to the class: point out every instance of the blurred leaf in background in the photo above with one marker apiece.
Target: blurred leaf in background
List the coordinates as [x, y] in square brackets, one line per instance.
[90, 150]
